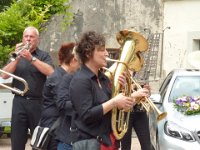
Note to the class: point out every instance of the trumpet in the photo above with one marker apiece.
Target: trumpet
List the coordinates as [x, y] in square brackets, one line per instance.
[148, 104]
[15, 90]
[22, 48]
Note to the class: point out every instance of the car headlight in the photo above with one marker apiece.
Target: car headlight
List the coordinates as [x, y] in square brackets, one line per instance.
[176, 131]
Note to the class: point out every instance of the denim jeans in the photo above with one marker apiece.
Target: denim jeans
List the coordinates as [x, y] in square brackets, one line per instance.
[87, 144]
[64, 146]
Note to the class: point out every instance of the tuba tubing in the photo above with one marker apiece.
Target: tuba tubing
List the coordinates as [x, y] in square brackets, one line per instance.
[15, 90]
[132, 44]
[120, 118]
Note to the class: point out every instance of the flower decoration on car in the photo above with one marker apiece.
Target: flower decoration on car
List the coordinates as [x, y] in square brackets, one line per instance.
[188, 105]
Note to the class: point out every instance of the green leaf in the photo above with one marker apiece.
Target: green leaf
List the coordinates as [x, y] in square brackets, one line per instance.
[23, 13]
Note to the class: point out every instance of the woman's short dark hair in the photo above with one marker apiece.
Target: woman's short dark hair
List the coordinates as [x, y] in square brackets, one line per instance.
[87, 44]
[65, 53]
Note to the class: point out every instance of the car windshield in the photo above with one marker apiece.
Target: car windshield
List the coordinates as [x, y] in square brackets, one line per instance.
[185, 86]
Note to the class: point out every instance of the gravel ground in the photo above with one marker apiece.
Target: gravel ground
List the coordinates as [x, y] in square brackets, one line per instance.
[5, 144]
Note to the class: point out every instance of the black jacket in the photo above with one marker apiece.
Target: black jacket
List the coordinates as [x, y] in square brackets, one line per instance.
[50, 111]
[64, 106]
[87, 98]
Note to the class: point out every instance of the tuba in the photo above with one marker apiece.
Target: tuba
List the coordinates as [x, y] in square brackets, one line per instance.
[13, 89]
[131, 46]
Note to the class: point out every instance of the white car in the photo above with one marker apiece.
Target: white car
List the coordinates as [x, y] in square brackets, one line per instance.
[177, 131]
[6, 98]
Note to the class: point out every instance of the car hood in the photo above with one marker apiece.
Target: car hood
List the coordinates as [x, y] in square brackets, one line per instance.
[190, 122]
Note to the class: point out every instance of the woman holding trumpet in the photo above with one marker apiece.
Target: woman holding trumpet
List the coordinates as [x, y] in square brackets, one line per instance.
[33, 65]
[90, 92]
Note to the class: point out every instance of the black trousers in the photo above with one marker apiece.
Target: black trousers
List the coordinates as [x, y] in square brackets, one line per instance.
[53, 144]
[139, 121]
[25, 115]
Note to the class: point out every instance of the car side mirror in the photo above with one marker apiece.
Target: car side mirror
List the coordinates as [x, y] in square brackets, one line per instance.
[156, 98]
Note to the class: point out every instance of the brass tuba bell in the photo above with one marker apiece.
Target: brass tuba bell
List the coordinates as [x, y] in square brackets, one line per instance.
[132, 44]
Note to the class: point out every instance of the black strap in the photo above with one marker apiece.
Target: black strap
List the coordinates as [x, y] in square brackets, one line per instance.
[55, 124]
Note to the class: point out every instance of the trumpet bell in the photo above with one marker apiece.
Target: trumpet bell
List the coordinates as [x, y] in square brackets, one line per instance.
[161, 116]
[22, 48]
[149, 105]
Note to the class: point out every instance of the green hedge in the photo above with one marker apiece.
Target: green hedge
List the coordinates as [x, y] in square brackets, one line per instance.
[23, 13]
[4, 4]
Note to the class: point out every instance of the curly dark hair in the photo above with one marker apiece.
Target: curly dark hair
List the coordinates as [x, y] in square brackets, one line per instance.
[65, 53]
[87, 43]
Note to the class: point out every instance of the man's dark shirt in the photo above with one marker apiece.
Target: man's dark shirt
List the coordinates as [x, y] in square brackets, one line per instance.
[31, 74]
[87, 97]
[26, 109]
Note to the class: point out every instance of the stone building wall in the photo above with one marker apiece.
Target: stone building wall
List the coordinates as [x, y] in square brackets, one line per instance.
[107, 17]
[183, 38]
[104, 16]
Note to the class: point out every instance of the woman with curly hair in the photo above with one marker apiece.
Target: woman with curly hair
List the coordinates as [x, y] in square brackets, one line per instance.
[90, 92]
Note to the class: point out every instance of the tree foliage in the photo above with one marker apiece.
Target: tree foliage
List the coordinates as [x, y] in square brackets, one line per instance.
[4, 4]
[23, 13]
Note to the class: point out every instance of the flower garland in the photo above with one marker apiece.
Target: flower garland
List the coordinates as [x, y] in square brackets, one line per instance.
[188, 105]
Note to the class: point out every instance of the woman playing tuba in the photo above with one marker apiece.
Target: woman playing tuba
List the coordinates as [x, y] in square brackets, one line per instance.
[132, 45]
[91, 97]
